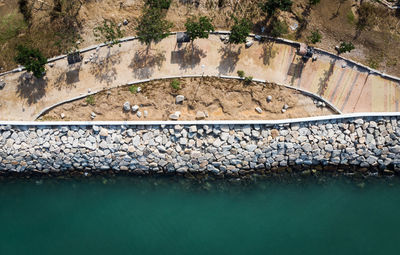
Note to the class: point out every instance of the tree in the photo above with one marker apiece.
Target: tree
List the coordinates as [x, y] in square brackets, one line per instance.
[109, 32]
[270, 6]
[32, 59]
[240, 30]
[198, 28]
[278, 28]
[152, 26]
[315, 37]
[159, 4]
[345, 47]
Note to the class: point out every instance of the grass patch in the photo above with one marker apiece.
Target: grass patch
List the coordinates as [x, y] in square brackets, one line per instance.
[175, 84]
[350, 17]
[133, 89]
[10, 26]
[90, 100]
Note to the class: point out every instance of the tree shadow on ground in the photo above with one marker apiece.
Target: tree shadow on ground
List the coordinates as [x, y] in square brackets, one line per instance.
[295, 71]
[323, 81]
[268, 52]
[188, 58]
[31, 88]
[229, 59]
[144, 63]
[68, 78]
[104, 68]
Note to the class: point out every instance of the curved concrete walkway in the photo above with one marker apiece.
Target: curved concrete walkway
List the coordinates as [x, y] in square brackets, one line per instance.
[348, 87]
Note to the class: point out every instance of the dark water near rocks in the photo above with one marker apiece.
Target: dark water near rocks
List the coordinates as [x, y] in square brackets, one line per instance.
[136, 215]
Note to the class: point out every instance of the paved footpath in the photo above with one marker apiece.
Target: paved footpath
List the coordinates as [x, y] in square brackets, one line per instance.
[348, 87]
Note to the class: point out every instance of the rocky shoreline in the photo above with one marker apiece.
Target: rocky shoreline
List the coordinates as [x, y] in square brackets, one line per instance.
[368, 146]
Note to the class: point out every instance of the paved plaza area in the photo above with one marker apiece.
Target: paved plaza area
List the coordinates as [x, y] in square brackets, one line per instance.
[348, 87]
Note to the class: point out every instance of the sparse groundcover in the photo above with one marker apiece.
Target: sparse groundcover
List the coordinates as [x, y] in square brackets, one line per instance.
[221, 99]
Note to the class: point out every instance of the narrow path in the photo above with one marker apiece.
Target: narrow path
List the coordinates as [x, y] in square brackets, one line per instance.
[349, 86]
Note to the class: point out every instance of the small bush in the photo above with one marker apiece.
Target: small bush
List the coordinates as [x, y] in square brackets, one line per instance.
[315, 37]
[109, 32]
[176, 84]
[133, 89]
[248, 79]
[314, 2]
[345, 47]
[90, 100]
[240, 73]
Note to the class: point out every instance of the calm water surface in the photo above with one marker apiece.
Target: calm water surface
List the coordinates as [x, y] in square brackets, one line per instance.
[128, 215]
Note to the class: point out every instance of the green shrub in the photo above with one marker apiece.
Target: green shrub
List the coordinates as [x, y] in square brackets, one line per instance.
[109, 32]
[240, 73]
[345, 47]
[248, 79]
[90, 100]
[133, 89]
[32, 59]
[315, 37]
[175, 84]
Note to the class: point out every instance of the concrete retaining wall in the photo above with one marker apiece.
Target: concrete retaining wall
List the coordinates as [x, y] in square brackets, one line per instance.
[222, 148]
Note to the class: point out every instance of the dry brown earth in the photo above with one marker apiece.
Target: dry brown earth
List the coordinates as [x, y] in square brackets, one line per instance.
[223, 99]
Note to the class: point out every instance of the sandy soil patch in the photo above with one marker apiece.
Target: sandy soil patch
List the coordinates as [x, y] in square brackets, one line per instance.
[222, 99]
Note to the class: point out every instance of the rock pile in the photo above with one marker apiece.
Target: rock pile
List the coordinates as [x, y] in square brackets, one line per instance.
[219, 149]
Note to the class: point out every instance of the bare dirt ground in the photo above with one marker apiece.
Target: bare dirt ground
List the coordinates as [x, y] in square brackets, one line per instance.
[335, 19]
[222, 99]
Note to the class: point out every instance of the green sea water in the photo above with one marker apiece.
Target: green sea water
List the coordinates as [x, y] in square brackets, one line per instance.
[132, 215]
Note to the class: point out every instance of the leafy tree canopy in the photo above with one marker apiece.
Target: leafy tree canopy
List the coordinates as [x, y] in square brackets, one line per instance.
[240, 30]
[270, 6]
[32, 59]
[152, 27]
[198, 27]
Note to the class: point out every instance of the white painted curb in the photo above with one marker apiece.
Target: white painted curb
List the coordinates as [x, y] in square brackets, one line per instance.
[203, 122]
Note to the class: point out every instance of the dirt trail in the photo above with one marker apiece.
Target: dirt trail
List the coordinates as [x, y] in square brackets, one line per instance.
[223, 99]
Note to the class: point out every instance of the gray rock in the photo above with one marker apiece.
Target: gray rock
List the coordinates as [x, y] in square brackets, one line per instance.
[135, 108]
[179, 99]
[139, 114]
[175, 115]
[200, 115]
[258, 109]
[145, 113]
[103, 132]
[93, 115]
[269, 99]
[127, 106]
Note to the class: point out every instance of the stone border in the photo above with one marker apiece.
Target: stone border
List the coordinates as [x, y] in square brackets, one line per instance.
[315, 96]
[278, 40]
[326, 118]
